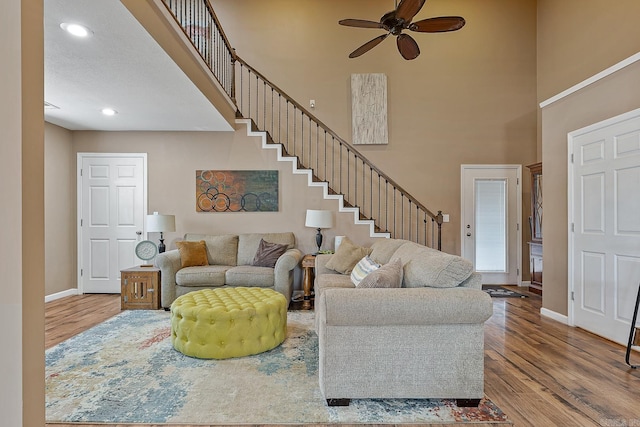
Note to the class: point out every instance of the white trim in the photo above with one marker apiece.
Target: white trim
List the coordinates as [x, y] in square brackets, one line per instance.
[145, 202]
[554, 316]
[63, 294]
[518, 169]
[601, 75]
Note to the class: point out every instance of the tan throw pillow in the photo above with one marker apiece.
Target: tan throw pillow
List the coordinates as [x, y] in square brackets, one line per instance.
[192, 253]
[347, 256]
[387, 276]
[268, 253]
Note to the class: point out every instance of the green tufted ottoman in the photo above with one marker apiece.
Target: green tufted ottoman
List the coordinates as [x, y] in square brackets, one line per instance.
[228, 322]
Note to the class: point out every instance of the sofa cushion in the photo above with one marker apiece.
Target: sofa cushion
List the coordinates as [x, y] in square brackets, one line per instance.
[192, 253]
[248, 244]
[248, 275]
[267, 254]
[424, 266]
[383, 249]
[387, 276]
[210, 275]
[221, 250]
[347, 256]
[365, 266]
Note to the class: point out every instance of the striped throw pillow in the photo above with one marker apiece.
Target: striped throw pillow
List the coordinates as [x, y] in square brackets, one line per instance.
[365, 266]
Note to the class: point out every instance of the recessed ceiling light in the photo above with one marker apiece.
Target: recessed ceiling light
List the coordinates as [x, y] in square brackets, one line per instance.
[109, 112]
[76, 29]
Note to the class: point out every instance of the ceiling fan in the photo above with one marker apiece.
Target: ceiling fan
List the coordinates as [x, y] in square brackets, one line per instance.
[397, 20]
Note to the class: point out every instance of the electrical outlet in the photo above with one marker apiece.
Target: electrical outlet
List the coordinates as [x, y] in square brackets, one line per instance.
[312, 103]
[445, 217]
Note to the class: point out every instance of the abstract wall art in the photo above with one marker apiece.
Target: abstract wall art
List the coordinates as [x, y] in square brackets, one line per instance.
[236, 191]
[369, 109]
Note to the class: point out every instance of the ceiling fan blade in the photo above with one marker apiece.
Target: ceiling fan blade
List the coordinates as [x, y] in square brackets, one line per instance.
[360, 23]
[438, 25]
[368, 46]
[407, 9]
[408, 47]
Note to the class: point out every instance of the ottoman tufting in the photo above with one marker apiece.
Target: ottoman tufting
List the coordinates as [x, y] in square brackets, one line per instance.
[228, 322]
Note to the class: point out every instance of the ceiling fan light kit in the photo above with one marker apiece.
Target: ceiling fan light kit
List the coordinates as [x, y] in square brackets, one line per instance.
[396, 21]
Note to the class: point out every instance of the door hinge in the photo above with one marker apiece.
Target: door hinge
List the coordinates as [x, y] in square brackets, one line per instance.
[517, 181]
[518, 227]
[517, 272]
[573, 227]
[80, 172]
[81, 222]
[81, 272]
[573, 296]
[571, 157]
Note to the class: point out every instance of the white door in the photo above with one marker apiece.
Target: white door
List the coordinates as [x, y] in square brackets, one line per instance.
[604, 247]
[111, 209]
[491, 211]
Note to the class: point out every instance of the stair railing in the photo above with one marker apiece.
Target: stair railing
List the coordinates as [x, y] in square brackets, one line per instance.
[316, 146]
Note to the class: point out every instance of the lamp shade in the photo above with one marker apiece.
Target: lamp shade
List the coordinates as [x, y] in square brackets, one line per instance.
[319, 219]
[162, 223]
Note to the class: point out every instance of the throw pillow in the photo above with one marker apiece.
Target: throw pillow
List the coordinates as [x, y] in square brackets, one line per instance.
[365, 266]
[268, 253]
[192, 253]
[347, 256]
[387, 276]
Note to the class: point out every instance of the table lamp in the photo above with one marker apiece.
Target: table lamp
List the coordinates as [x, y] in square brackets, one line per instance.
[319, 219]
[161, 223]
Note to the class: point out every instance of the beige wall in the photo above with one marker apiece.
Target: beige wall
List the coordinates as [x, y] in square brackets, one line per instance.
[580, 38]
[576, 40]
[469, 98]
[22, 214]
[173, 158]
[600, 101]
[60, 202]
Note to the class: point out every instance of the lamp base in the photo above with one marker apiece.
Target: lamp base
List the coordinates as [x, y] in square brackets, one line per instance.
[161, 246]
[318, 240]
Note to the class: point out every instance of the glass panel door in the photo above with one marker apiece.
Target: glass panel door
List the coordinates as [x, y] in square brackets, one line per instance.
[491, 225]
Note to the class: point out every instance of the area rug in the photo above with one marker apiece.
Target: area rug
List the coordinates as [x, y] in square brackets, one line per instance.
[497, 291]
[126, 371]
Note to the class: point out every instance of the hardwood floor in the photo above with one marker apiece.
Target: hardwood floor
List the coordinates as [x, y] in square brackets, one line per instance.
[538, 371]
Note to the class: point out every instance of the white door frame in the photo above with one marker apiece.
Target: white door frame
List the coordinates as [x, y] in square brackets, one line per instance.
[571, 136]
[79, 160]
[518, 169]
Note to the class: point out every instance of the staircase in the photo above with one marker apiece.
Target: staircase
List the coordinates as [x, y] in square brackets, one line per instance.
[302, 139]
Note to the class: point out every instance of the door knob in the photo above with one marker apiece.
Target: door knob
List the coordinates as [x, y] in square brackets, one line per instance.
[139, 233]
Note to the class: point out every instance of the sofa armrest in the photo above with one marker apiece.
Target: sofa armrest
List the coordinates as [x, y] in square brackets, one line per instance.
[169, 263]
[403, 306]
[283, 272]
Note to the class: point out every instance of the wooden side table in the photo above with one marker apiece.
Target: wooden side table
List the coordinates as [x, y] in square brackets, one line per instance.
[140, 288]
[308, 264]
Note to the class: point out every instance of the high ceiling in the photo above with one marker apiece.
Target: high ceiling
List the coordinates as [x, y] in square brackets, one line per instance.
[118, 66]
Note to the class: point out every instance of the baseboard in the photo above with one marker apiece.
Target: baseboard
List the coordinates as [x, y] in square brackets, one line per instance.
[554, 316]
[58, 295]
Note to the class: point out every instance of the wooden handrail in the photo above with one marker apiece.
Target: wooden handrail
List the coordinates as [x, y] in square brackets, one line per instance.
[334, 135]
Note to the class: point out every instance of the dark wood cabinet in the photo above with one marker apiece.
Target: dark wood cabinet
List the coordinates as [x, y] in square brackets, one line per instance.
[535, 228]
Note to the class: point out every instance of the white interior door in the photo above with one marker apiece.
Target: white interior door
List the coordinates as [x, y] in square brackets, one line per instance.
[111, 209]
[491, 211]
[604, 247]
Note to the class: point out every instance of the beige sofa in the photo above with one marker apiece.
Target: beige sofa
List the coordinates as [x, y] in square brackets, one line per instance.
[230, 258]
[423, 340]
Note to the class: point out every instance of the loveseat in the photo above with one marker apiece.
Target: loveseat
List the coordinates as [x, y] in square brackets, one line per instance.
[230, 260]
[423, 338]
